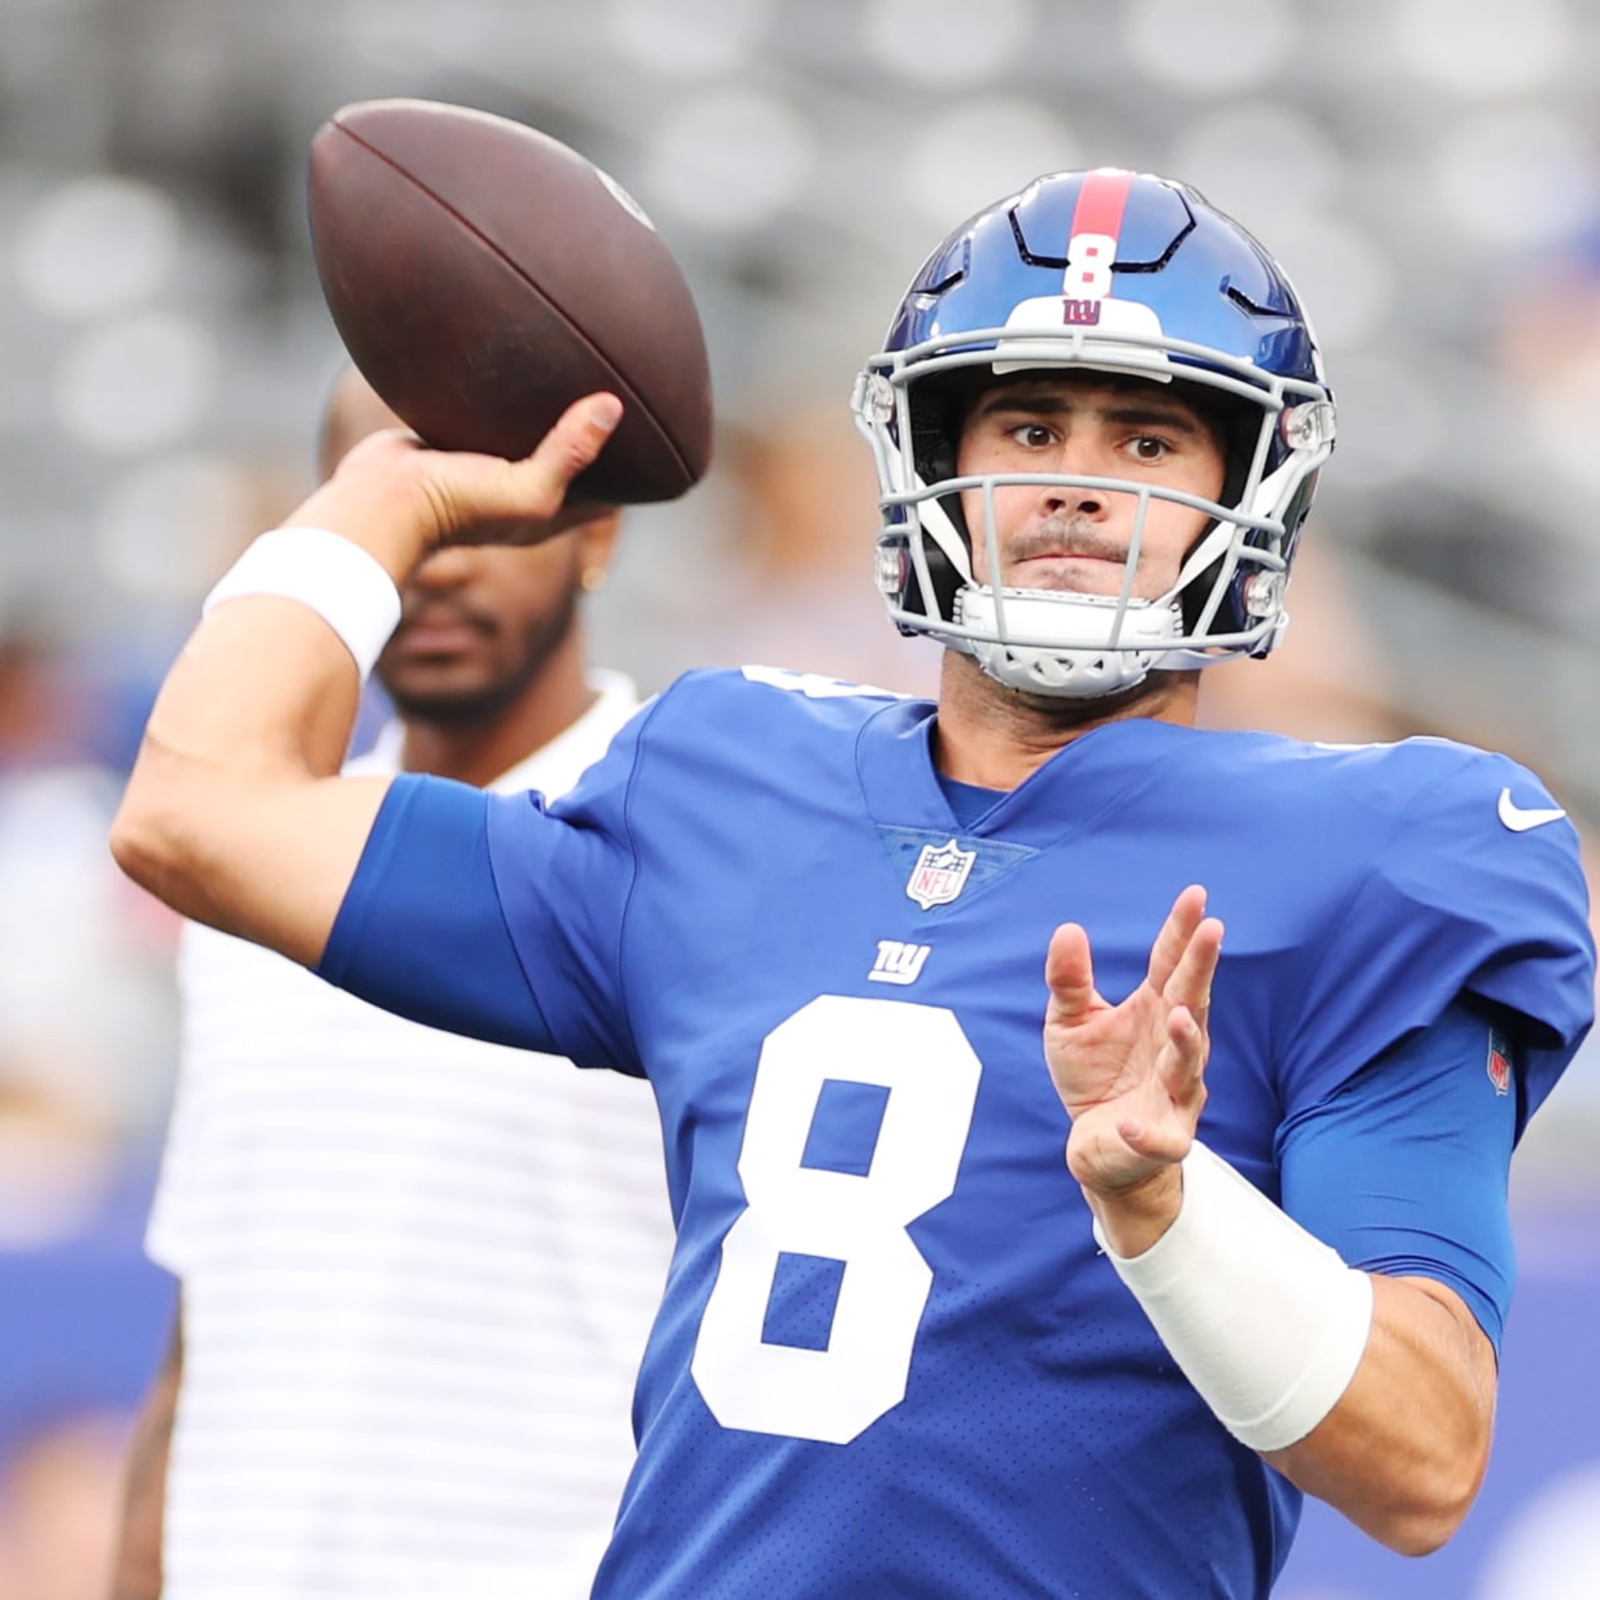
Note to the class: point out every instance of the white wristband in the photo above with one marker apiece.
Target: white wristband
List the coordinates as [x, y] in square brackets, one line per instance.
[350, 590]
[1265, 1320]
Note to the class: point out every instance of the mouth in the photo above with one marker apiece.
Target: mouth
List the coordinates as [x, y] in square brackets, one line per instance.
[1099, 558]
[1070, 569]
[438, 630]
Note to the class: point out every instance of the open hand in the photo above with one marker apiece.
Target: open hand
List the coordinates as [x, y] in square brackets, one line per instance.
[1132, 1076]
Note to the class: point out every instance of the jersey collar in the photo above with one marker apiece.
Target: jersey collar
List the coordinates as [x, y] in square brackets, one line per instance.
[1097, 771]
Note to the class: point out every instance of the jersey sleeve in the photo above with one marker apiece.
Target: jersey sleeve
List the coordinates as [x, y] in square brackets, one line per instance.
[1403, 1170]
[565, 875]
[1454, 901]
[495, 916]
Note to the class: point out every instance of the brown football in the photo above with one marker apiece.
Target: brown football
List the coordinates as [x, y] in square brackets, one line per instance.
[483, 276]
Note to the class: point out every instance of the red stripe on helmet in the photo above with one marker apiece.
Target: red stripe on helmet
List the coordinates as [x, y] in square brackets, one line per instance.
[1101, 202]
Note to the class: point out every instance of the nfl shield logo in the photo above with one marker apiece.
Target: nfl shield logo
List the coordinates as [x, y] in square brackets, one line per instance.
[940, 874]
[1499, 1062]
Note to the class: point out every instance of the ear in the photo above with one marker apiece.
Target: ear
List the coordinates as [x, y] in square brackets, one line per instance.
[596, 541]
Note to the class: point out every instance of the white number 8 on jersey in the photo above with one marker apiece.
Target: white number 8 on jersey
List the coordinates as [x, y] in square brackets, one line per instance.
[922, 1057]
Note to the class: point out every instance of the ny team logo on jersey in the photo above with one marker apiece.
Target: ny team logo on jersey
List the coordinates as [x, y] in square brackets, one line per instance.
[897, 962]
[940, 874]
[1499, 1062]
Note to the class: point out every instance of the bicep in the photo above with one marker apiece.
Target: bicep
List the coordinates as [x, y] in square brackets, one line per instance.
[422, 932]
[299, 849]
[266, 861]
[1404, 1169]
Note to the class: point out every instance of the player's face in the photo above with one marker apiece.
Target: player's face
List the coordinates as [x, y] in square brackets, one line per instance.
[1091, 425]
[481, 621]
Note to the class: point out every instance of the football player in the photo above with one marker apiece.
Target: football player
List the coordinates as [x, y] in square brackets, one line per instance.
[880, 958]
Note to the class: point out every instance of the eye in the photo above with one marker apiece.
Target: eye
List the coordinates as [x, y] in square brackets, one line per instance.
[1033, 435]
[1148, 447]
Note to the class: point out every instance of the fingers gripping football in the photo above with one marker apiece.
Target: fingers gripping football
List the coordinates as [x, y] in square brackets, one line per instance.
[478, 491]
[465, 497]
[1132, 1076]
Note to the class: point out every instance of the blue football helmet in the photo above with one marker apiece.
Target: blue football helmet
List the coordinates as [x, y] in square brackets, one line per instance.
[1117, 272]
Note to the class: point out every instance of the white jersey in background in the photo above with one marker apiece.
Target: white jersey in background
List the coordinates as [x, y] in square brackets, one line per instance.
[418, 1273]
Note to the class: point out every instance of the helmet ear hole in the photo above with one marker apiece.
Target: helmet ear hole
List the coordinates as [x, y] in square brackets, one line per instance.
[938, 406]
[947, 580]
[938, 410]
[1198, 591]
[1237, 424]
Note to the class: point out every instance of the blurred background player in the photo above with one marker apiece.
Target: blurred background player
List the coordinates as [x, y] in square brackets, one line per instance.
[416, 1276]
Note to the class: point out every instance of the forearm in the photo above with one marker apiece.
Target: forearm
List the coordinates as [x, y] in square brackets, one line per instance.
[1374, 1394]
[137, 1574]
[229, 816]
[264, 687]
[232, 815]
[1404, 1451]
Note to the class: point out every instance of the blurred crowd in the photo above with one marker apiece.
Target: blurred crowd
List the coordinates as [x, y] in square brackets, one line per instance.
[165, 355]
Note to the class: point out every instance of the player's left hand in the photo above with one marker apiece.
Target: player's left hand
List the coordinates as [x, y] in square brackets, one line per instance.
[1132, 1076]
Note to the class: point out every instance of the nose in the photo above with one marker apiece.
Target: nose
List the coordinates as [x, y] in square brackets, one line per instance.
[1076, 457]
[444, 571]
[1064, 500]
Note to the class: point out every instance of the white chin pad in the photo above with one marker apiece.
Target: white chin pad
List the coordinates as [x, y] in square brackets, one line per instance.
[1019, 632]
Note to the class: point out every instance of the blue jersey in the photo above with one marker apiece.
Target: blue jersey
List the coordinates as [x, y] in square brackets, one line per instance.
[890, 1361]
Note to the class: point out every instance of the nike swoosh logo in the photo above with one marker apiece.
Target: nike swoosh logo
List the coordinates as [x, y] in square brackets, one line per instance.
[1519, 821]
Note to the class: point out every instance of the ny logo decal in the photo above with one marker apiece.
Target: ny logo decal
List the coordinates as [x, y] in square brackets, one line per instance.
[897, 962]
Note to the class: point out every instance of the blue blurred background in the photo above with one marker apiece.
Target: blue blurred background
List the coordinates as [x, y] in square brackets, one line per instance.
[1427, 170]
